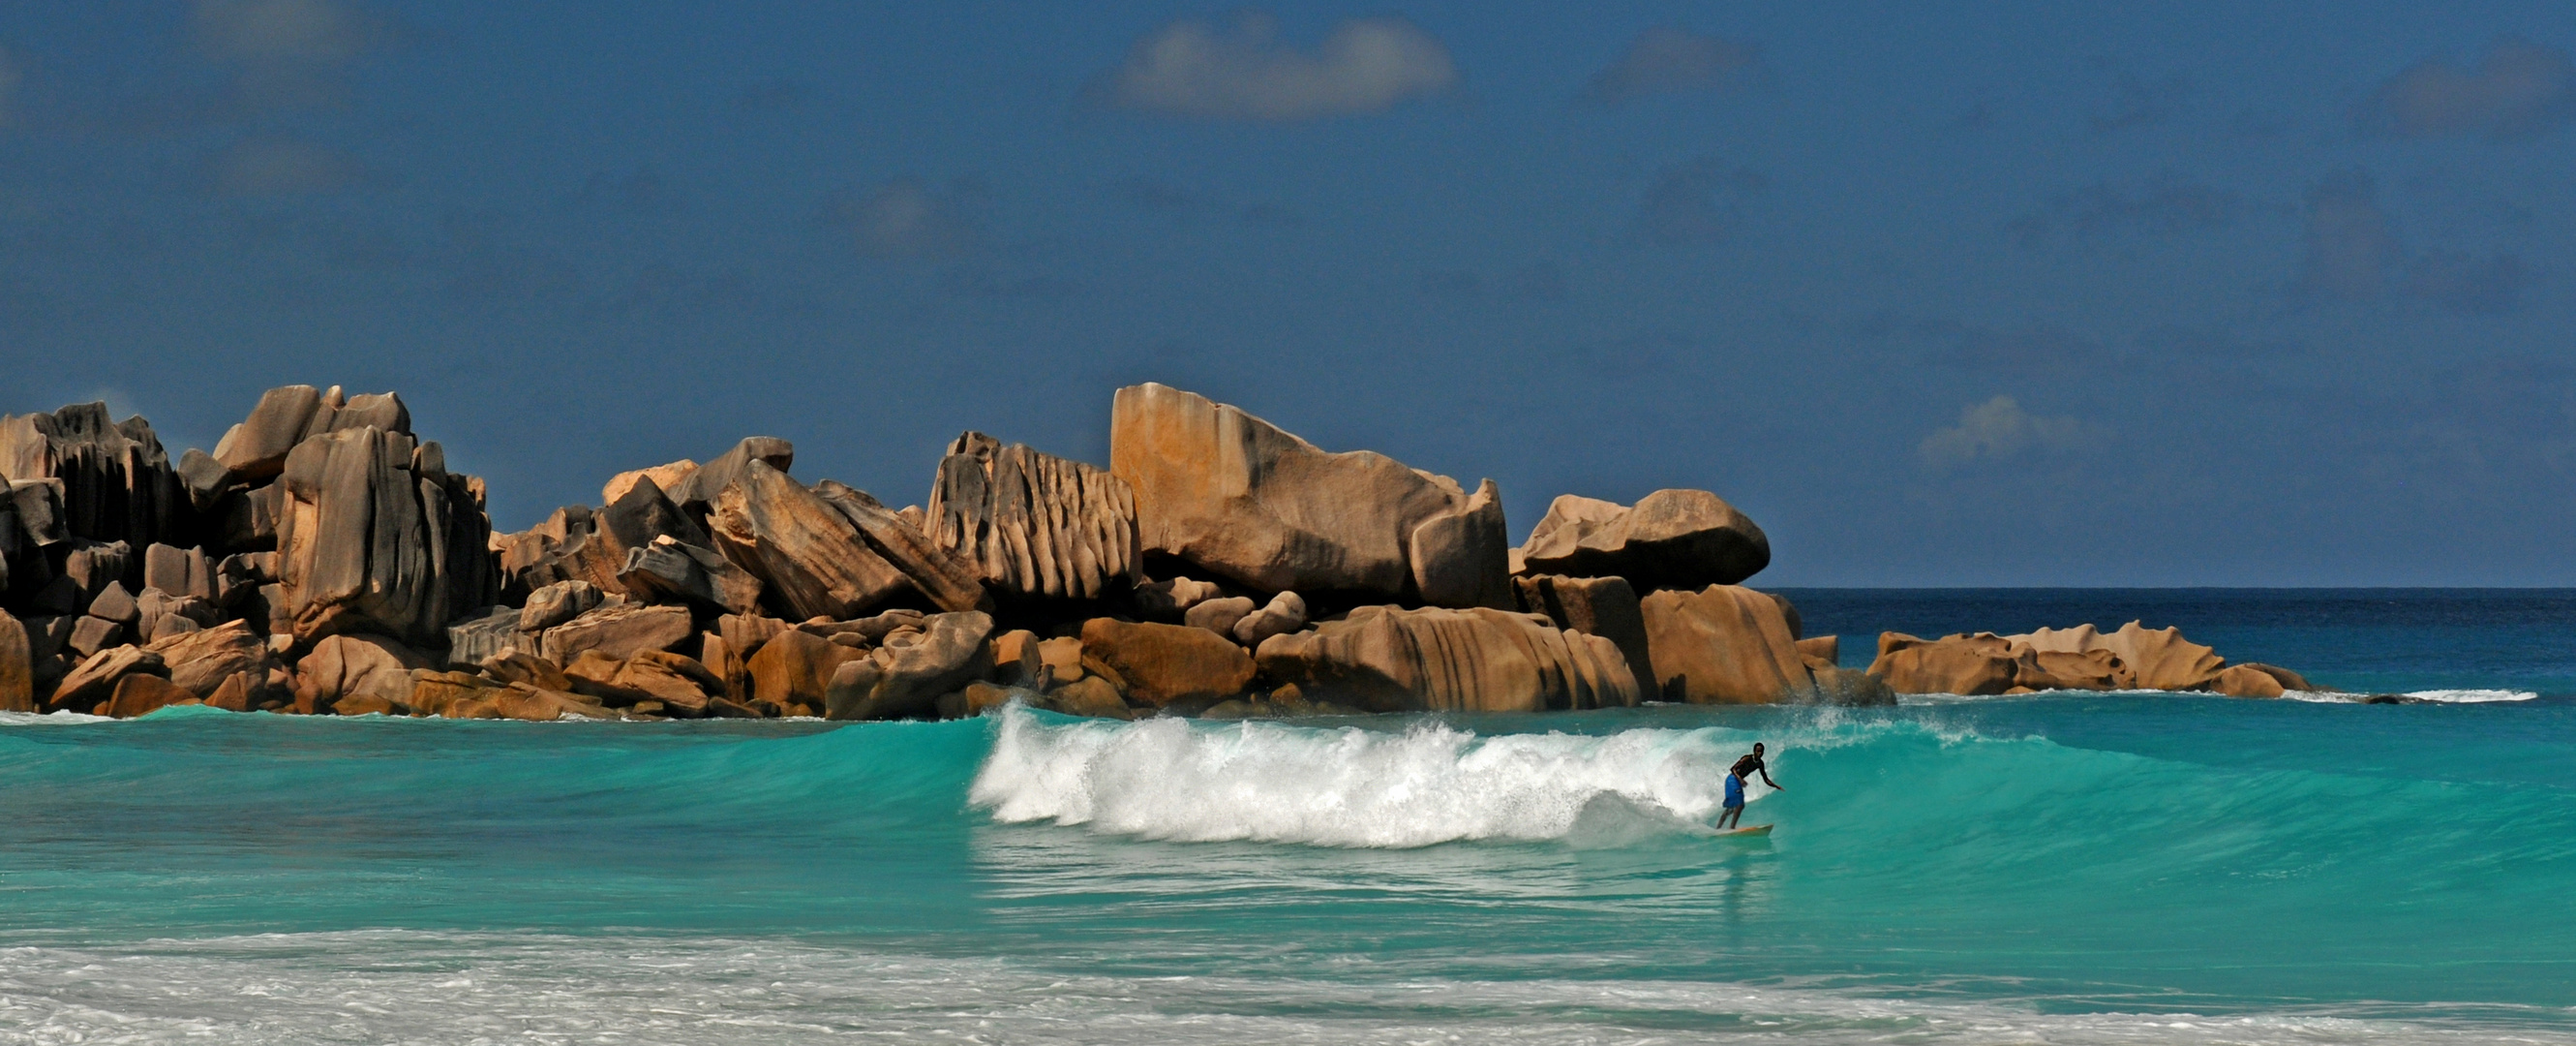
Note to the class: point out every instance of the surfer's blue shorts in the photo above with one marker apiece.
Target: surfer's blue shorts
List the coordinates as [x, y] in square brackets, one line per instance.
[1734, 791]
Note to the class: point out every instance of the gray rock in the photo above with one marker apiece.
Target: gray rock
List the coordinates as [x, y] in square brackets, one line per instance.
[117, 483]
[1168, 600]
[115, 604]
[620, 631]
[906, 677]
[179, 571]
[1285, 613]
[91, 635]
[1671, 539]
[486, 634]
[368, 544]
[1219, 615]
[557, 603]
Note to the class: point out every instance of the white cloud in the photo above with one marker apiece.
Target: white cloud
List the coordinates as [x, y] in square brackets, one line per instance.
[1997, 429]
[282, 167]
[2518, 89]
[1245, 72]
[1666, 60]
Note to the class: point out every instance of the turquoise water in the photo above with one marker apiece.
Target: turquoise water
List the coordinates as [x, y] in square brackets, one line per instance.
[2060, 868]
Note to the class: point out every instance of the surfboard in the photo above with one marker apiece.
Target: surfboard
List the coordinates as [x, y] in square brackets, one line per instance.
[1759, 829]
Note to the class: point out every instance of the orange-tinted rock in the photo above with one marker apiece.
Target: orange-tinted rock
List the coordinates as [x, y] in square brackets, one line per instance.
[1090, 696]
[2258, 680]
[1821, 650]
[1240, 498]
[2156, 659]
[1600, 606]
[1387, 659]
[1724, 644]
[376, 536]
[1016, 661]
[201, 661]
[1972, 665]
[236, 694]
[793, 670]
[1063, 658]
[1219, 615]
[1031, 524]
[1679, 539]
[1159, 664]
[666, 478]
[96, 679]
[140, 694]
[941, 576]
[17, 667]
[543, 706]
[433, 693]
[1285, 613]
[2066, 670]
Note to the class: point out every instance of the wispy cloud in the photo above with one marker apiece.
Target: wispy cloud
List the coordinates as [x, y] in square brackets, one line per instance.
[2164, 203]
[907, 219]
[1670, 60]
[282, 167]
[1244, 71]
[2518, 89]
[1996, 430]
[2354, 254]
[1698, 202]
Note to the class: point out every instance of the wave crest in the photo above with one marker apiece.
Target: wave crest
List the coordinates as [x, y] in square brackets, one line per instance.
[1168, 779]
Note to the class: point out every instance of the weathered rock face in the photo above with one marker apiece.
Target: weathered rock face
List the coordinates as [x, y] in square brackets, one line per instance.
[490, 634]
[697, 494]
[906, 677]
[1170, 599]
[621, 631]
[201, 661]
[1724, 644]
[1387, 659]
[807, 553]
[1970, 665]
[1679, 539]
[377, 537]
[1034, 524]
[345, 666]
[949, 582]
[1220, 615]
[117, 483]
[1158, 664]
[670, 571]
[2157, 659]
[667, 478]
[1595, 606]
[1236, 496]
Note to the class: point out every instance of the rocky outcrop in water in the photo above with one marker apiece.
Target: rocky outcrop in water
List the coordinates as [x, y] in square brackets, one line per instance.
[323, 559]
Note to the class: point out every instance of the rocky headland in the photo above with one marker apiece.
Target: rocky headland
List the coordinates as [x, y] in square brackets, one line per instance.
[322, 559]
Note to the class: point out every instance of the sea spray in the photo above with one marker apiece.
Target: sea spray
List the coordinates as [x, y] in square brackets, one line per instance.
[1170, 779]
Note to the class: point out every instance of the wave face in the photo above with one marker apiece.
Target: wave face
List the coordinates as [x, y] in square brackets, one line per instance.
[2079, 868]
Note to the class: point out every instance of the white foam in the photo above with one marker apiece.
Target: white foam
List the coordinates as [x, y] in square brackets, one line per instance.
[430, 987]
[2448, 697]
[1172, 780]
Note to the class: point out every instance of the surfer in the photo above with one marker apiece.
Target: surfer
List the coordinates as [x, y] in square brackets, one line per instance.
[1745, 767]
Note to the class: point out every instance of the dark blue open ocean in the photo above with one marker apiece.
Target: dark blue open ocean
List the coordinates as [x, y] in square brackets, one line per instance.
[2063, 868]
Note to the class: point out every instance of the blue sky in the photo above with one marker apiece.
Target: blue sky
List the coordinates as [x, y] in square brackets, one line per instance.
[1940, 294]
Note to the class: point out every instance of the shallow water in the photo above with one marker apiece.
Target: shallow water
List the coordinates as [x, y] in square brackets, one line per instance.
[2060, 868]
